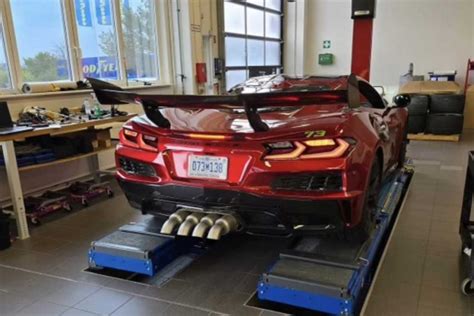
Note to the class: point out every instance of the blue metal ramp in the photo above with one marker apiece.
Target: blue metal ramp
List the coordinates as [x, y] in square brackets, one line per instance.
[332, 276]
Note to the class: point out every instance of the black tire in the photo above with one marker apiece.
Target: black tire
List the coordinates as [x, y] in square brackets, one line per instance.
[67, 207]
[444, 124]
[466, 287]
[447, 103]
[85, 203]
[402, 155]
[419, 105]
[416, 124]
[362, 231]
[110, 194]
[34, 221]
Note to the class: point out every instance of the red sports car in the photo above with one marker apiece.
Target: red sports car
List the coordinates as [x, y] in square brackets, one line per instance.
[277, 155]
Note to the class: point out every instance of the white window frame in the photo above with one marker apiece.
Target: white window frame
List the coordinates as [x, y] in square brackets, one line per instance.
[162, 36]
[248, 37]
[13, 58]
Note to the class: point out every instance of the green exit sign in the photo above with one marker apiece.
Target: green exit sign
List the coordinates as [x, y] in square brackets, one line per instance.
[326, 59]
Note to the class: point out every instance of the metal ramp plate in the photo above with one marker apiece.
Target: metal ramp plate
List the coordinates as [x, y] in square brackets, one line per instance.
[151, 226]
[326, 249]
[135, 252]
[310, 277]
[130, 244]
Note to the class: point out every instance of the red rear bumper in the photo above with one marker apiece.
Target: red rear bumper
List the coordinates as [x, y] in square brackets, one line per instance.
[250, 175]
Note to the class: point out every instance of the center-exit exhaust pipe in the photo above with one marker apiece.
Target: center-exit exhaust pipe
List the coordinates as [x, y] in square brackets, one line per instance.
[187, 226]
[206, 222]
[175, 219]
[223, 226]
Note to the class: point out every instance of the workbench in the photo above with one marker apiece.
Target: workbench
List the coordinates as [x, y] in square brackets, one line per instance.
[13, 172]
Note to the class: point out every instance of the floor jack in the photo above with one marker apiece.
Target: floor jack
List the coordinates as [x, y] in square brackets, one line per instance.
[317, 274]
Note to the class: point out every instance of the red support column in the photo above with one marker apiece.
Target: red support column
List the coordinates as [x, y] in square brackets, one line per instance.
[362, 47]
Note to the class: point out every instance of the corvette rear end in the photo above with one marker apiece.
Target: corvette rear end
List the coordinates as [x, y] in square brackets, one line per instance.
[274, 164]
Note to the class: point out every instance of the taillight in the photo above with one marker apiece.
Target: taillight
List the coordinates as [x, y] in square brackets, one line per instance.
[335, 151]
[309, 149]
[148, 142]
[280, 148]
[130, 135]
[292, 152]
[134, 139]
[128, 138]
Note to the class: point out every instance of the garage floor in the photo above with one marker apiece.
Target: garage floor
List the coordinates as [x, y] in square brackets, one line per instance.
[420, 274]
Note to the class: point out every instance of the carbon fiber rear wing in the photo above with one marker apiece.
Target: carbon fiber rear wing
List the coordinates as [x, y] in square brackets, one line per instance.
[108, 93]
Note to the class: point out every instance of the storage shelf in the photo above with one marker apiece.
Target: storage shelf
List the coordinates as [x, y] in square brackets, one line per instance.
[68, 159]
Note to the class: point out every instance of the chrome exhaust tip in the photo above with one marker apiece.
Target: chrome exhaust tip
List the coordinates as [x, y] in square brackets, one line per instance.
[191, 220]
[175, 219]
[206, 222]
[223, 226]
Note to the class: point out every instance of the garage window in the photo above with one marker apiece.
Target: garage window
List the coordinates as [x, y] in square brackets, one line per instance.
[139, 37]
[109, 29]
[42, 49]
[69, 40]
[5, 75]
[97, 40]
[252, 39]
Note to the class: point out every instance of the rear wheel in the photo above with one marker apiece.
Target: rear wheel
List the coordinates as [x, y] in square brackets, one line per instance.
[362, 231]
[403, 149]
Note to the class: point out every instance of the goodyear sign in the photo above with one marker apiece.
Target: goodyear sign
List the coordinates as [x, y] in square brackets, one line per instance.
[83, 13]
[100, 67]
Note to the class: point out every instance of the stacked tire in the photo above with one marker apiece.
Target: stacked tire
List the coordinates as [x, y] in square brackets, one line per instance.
[436, 114]
[446, 114]
[418, 113]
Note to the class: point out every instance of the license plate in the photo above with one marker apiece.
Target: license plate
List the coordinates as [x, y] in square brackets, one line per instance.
[209, 167]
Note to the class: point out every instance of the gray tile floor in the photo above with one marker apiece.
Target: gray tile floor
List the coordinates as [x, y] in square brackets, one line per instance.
[422, 271]
[420, 274]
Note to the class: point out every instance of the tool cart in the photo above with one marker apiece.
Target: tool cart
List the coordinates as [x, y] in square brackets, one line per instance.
[466, 227]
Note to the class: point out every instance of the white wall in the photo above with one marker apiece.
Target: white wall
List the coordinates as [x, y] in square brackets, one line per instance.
[328, 20]
[294, 36]
[434, 34]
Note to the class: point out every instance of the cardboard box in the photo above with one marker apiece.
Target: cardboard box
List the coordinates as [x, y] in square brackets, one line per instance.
[469, 108]
[431, 87]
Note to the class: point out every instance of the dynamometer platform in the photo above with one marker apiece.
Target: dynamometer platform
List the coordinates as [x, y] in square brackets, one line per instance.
[314, 273]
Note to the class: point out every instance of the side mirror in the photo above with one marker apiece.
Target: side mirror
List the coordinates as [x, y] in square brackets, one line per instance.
[401, 100]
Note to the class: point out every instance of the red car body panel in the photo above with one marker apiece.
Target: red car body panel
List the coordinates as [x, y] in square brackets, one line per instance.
[227, 133]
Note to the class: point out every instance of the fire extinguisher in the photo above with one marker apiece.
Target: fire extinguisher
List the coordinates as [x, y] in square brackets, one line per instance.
[201, 73]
